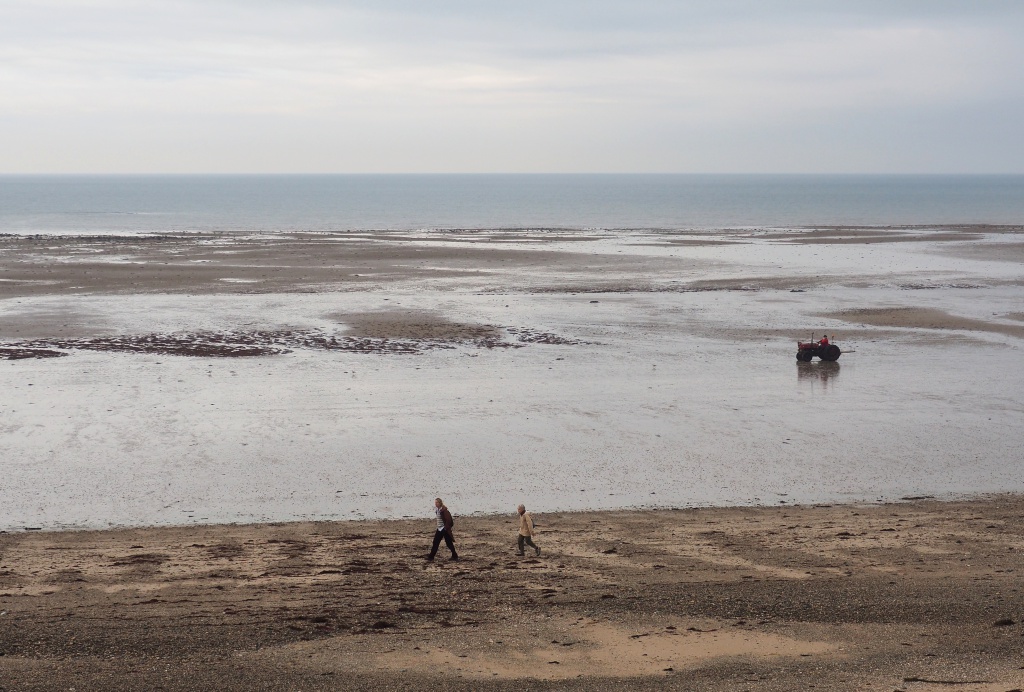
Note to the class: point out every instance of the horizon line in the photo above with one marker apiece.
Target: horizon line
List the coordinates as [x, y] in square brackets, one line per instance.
[495, 173]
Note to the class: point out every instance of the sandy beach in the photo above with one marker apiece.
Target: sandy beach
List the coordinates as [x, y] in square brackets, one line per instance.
[260, 424]
[916, 596]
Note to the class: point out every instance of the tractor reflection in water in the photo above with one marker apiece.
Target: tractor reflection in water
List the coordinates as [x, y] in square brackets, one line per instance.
[821, 348]
[823, 373]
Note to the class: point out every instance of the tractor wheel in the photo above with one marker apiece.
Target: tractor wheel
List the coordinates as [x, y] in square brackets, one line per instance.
[804, 356]
[831, 353]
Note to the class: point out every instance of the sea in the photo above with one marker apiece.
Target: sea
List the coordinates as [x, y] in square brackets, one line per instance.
[133, 204]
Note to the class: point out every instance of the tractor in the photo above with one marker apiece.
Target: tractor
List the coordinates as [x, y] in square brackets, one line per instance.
[822, 349]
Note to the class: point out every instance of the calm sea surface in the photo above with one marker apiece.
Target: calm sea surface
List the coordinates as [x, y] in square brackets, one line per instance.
[141, 204]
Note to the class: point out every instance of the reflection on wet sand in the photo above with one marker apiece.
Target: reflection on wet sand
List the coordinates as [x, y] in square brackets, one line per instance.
[822, 371]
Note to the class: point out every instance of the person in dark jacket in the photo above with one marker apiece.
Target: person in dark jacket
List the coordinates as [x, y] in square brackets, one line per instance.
[444, 530]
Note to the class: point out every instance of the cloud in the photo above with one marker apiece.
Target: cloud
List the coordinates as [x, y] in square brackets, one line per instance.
[575, 76]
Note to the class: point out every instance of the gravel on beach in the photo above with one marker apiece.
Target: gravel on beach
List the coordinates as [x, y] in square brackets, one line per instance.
[921, 595]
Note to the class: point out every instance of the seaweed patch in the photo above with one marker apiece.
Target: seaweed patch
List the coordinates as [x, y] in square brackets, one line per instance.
[244, 344]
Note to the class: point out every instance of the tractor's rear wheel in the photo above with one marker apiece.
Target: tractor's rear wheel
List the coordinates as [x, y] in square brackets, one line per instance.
[831, 353]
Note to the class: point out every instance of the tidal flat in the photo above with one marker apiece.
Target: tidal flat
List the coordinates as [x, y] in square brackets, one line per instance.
[200, 378]
[220, 452]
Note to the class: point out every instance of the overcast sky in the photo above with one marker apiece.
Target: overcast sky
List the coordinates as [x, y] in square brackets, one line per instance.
[259, 86]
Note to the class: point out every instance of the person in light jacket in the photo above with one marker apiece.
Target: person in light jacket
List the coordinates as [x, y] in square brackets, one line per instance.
[526, 531]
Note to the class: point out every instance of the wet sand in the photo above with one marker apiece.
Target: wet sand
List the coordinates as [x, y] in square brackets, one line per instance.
[916, 596]
[226, 263]
[925, 318]
[200, 378]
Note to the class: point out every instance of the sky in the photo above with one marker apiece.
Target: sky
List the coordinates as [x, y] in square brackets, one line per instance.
[382, 86]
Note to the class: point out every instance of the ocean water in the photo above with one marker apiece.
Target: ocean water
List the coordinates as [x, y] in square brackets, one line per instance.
[269, 203]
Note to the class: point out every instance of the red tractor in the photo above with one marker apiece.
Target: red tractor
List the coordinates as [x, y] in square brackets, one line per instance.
[822, 348]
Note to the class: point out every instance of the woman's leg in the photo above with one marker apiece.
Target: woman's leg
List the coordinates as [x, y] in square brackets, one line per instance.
[449, 541]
